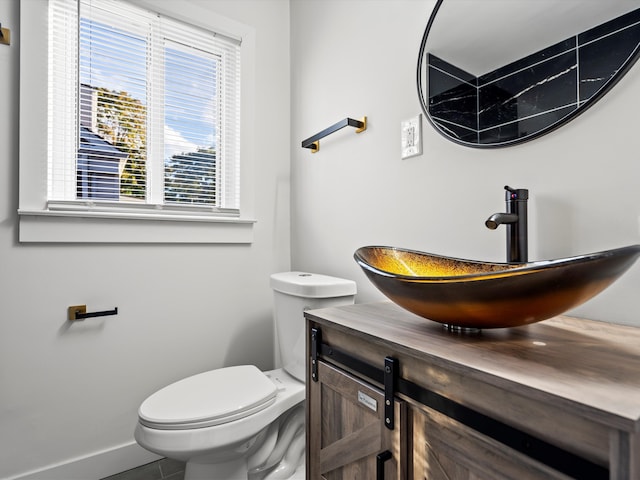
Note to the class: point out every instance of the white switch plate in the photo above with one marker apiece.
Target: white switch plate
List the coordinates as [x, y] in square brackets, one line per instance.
[411, 137]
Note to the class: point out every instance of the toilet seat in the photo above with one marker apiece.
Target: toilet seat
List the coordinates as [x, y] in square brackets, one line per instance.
[207, 399]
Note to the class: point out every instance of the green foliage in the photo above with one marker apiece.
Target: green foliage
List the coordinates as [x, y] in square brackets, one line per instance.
[191, 178]
[121, 120]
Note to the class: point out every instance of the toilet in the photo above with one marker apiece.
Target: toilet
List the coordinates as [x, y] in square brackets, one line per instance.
[239, 423]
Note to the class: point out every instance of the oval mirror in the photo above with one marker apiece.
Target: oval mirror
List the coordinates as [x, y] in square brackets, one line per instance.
[493, 73]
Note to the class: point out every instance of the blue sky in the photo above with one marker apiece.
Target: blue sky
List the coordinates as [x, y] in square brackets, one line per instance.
[190, 81]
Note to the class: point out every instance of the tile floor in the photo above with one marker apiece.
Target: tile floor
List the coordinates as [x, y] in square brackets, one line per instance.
[164, 469]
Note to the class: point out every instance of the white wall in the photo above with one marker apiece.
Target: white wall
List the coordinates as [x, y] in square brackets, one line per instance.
[69, 391]
[358, 57]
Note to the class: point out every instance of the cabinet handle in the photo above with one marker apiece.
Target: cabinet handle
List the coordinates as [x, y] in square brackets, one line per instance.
[390, 381]
[316, 341]
[381, 458]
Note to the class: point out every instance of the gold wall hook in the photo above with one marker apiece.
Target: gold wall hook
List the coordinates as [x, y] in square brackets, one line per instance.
[364, 125]
[74, 310]
[5, 38]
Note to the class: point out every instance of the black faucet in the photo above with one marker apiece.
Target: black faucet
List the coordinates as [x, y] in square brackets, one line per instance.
[516, 221]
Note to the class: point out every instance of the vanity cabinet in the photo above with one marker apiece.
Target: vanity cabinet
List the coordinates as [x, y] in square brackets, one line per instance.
[445, 449]
[347, 435]
[553, 400]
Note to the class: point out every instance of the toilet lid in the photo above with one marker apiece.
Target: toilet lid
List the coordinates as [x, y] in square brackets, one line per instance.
[209, 398]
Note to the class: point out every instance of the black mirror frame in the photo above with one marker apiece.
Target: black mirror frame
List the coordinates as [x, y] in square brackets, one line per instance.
[626, 66]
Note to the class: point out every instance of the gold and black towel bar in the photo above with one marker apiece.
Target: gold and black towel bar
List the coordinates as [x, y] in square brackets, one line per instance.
[313, 143]
[79, 312]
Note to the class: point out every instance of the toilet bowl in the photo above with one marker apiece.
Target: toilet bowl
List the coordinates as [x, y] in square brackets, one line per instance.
[206, 421]
[239, 423]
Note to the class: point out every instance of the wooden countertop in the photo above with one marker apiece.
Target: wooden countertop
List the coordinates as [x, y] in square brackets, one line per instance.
[575, 363]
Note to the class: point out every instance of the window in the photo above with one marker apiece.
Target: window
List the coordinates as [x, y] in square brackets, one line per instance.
[143, 109]
[142, 117]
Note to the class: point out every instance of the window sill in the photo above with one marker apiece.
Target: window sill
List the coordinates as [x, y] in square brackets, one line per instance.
[46, 226]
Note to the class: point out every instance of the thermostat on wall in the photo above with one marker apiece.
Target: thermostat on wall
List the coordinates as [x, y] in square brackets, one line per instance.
[411, 137]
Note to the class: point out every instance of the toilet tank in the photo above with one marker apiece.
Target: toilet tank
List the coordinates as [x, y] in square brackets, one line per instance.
[295, 292]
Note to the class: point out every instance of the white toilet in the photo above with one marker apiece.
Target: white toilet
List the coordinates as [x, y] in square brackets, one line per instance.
[239, 423]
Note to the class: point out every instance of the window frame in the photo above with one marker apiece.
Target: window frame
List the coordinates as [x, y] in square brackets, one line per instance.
[88, 221]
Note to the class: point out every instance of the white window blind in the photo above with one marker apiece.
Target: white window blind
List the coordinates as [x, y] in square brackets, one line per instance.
[143, 111]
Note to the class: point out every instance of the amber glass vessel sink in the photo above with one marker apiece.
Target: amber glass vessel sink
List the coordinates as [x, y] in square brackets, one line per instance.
[472, 294]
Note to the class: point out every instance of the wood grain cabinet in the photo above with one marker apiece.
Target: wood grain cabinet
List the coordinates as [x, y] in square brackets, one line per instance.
[348, 436]
[445, 449]
[393, 396]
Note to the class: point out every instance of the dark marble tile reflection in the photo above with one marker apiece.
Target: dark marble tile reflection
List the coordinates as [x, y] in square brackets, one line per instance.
[534, 93]
[526, 62]
[600, 59]
[540, 88]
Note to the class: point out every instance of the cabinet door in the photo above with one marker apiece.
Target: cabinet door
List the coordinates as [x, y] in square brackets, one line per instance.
[444, 449]
[347, 432]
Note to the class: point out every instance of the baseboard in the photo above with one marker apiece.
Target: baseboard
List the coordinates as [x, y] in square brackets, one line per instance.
[95, 466]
